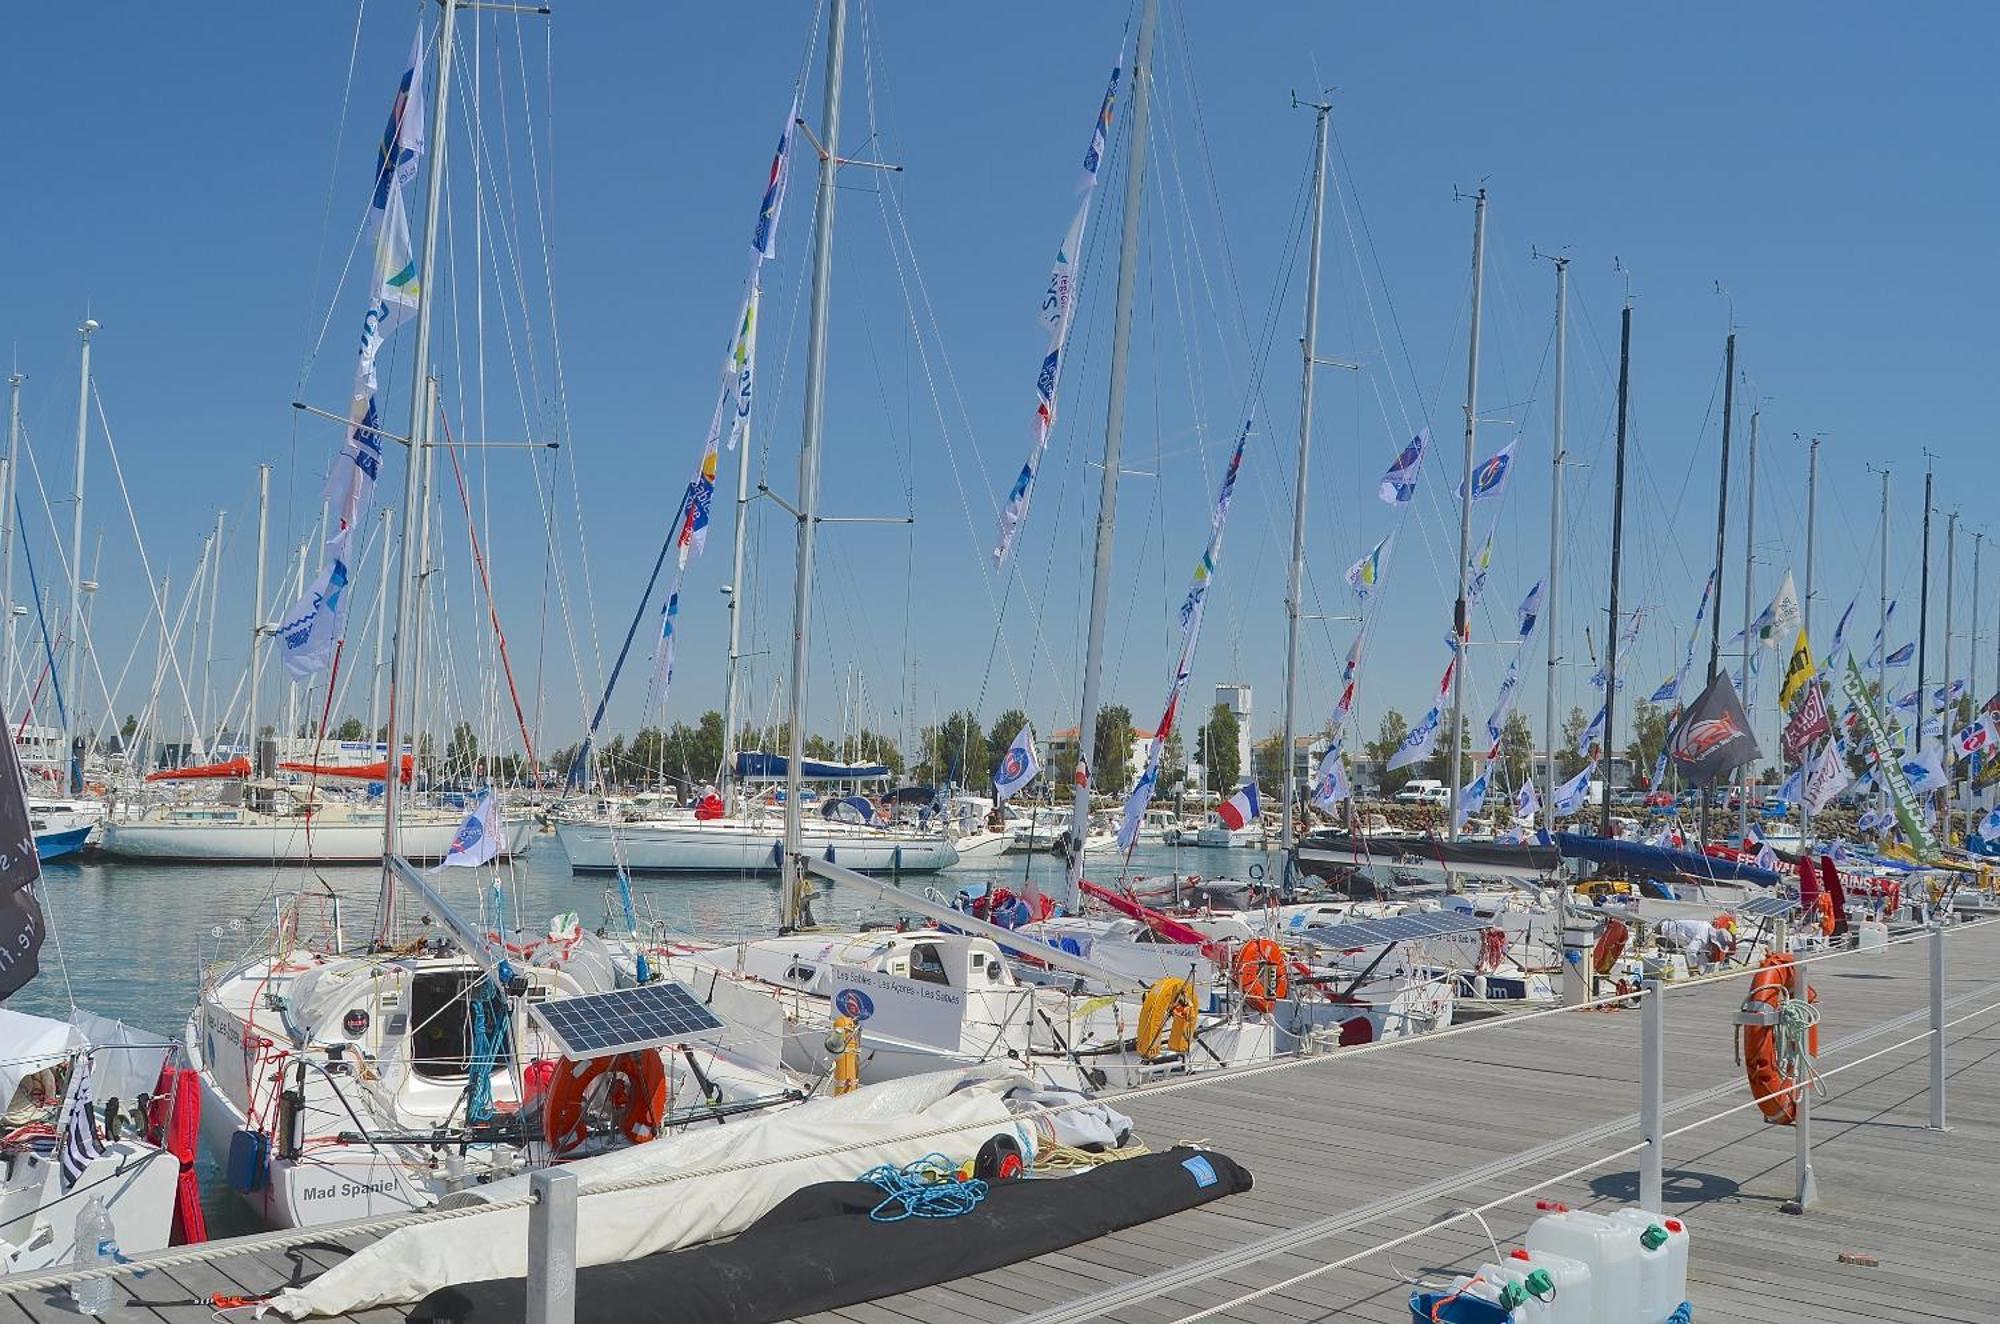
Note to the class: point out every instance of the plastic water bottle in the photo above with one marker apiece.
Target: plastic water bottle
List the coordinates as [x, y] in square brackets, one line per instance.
[96, 1247]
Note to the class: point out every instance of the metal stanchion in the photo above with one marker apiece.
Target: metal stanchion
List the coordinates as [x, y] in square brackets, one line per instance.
[1652, 1093]
[1937, 1025]
[1807, 1187]
[552, 1247]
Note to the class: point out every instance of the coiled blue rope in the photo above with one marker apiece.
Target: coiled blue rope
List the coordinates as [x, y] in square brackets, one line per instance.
[1684, 1315]
[926, 1188]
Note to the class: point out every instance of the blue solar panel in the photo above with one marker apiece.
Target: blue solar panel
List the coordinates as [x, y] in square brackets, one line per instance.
[1396, 928]
[1771, 906]
[599, 1024]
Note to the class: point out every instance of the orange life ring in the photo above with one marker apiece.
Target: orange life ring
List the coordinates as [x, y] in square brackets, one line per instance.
[1261, 973]
[1773, 1091]
[636, 1096]
[1826, 913]
[1610, 946]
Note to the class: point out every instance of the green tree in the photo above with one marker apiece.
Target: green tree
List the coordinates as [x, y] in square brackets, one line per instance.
[1649, 737]
[1173, 764]
[1568, 761]
[1000, 737]
[879, 747]
[128, 727]
[1438, 766]
[350, 729]
[461, 751]
[1111, 749]
[1267, 762]
[954, 750]
[1221, 759]
[1388, 739]
[1517, 749]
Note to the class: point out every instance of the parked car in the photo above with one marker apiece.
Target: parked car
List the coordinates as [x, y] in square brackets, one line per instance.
[1424, 791]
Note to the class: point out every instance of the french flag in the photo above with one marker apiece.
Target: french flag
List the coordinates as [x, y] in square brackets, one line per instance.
[1240, 808]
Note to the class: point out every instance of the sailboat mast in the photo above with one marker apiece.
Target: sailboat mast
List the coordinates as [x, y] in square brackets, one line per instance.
[729, 678]
[257, 611]
[1114, 437]
[1882, 638]
[1946, 720]
[1749, 568]
[414, 498]
[1617, 558]
[1721, 541]
[7, 532]
[1552, 599]
[73, 708]
[1812, 528]
[208, 657]
[809, 443]
[1923, 616]
[1294, 588]
[1460, 625]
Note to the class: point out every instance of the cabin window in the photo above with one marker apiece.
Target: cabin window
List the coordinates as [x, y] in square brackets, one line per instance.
[926, 965]
[441, 1022]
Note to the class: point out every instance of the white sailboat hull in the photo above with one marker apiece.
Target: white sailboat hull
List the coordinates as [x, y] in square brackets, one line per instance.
[287, 841]
[736, 847]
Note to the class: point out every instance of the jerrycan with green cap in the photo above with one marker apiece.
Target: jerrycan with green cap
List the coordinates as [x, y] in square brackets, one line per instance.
[1607, 1246]
[1557, 1286]
[1663, 1262]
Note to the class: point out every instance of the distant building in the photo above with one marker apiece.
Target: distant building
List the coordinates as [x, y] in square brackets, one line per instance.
[1235, 696]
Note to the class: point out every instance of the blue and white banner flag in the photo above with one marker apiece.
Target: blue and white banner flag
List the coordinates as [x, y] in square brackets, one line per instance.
[1018, 768]
[1192, 609]
[1925, 771]
[1330, 783]
[1902, 656]
[1471, 799]
[311, 631]
[1794, 785]
[1989, 826]
[1590, 735]
[1421, 738]
[1399, 485]
[1670, 690]
[478, 839]
[1476, 571]
[1527, 802]
[1057, 312]
[1660, 769]
[1839, 634]
[663, 654]
[1490, 478]
[1570, 795]
[1875, 647]
[1365, 575]
[1530, 610]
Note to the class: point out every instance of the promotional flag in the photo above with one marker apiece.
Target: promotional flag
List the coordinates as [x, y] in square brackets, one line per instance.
[1569, 796]
[1781, 617]
[478, 839]
[1670, 689]
[1530, 609]
[1712, 737]
[1807, 723]
[1490, 478]
[1798, 671]
[1945, 695]
[1828, 777]
[1659, 769]
[1924, 771]
[1471, 799]
[78, 1126]
[1510, 689]
[1527, 804]
[1330, 783]
[1875, 648]
[1056, 314]
[1417, 745]
[1240, 809]
[1989, 826]
[1901, 657]
[1476, 571]
[1587, 738]
[1889, 773]
[22, 928]
[1794, 785]
[311, 630]
[1364, 575]
[1979, 738]
[1018, 768]
[1839, 634]
[1400, 483]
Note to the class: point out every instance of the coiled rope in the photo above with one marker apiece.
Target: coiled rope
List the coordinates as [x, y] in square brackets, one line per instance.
[1793, 1039]
[928, 1187]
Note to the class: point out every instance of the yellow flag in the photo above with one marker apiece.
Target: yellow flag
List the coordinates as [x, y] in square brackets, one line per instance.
[1797, 671]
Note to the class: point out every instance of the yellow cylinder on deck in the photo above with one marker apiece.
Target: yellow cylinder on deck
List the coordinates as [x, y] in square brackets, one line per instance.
[846, 1058]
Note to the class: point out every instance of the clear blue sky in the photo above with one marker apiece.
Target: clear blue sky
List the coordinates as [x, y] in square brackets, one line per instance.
[195, 178]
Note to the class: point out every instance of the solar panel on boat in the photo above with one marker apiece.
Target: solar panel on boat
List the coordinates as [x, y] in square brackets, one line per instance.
[1395, 928]
[1770, 906]
[599, 1024]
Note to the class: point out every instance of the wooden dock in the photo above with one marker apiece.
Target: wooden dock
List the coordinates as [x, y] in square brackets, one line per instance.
[1364, 1147]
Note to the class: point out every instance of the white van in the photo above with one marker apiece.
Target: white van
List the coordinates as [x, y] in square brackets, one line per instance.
[1423, 791]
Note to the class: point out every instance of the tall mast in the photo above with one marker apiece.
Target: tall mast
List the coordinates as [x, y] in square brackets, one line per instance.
[1923, 613]
[1972, 644]
[1617, 556]
[257, 610]
[794, 912]
[1459, 624]
[1552, 599]
[208, 659]
[1749, 587]
[1882, 652]
[73, 708]
[1294, 588]
[1946, 719]
[7, 532]
[414, 497]
[381, 637]
[1812, 522]
[1114, 437]
[735, 591]
[1721, 540]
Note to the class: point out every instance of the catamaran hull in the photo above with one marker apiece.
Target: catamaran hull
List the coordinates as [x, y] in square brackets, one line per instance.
[643, 848]
[289, 842]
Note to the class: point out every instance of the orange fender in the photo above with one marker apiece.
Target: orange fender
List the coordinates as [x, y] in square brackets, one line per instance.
[1773, 1091]
[1261, 973]
[635, 1095]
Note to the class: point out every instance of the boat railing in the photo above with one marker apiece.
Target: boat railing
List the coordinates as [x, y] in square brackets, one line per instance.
[1911, 989]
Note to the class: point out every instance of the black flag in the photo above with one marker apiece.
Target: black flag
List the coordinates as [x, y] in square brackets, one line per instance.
[21, 926]
[1713, 738]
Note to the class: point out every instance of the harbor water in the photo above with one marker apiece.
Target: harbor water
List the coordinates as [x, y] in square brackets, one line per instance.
[129, 940]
